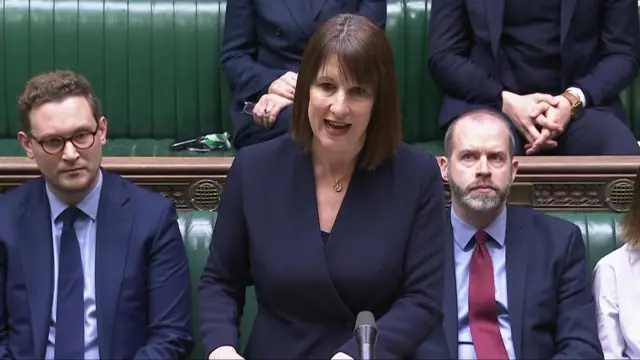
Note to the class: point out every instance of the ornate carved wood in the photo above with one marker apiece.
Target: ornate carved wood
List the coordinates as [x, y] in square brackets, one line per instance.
[547, 183]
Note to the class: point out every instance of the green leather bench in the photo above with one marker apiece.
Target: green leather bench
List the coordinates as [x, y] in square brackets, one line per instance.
[155, 65]
[599, 230]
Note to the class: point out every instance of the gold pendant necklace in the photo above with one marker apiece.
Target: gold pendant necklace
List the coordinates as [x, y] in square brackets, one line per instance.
[337, 185]
[337, 182]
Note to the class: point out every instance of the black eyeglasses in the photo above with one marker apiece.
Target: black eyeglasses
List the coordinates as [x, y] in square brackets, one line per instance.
[55, 144]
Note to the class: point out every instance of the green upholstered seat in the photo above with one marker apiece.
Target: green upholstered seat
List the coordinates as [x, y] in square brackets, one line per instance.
[407, 28]
[152, 147]
[196, 228]
[599, 230]
[155, 65]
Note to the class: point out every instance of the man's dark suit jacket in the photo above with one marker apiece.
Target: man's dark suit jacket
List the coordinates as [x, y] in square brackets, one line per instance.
[550, 302]
[385, 255]
[263, 39]
[600, 50]
[143, 296]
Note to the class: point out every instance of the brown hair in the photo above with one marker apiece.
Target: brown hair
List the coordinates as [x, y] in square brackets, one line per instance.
[479, 114]
[630, 223]
[365, 56]
[54, 86]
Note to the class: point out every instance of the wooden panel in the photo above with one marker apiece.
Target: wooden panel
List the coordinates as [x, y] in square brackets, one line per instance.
[590, 183]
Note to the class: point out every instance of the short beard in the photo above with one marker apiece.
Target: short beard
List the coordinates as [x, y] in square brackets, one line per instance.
[481, 202]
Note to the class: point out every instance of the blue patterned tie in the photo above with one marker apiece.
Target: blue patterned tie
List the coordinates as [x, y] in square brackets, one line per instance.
[69, 341]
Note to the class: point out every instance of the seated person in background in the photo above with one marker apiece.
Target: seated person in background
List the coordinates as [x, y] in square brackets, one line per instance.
[554, 68]
[261, 51]
[617, 289]
[91, 266]
[516, 280]
[336, 218]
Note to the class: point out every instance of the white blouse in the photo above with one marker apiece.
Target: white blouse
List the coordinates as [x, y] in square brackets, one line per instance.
[617, 295]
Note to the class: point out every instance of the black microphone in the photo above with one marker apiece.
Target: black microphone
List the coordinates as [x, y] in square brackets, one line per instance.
[366, 334]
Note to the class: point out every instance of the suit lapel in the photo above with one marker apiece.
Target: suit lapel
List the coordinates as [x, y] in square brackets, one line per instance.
[34, 227]
[113, 227]
[494, 9]
[450, 293]
[302, 14]
[568, 8]
[517, 241]
[303, 210]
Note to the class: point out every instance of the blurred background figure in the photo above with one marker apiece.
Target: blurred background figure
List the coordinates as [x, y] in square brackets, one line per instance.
[261, 52]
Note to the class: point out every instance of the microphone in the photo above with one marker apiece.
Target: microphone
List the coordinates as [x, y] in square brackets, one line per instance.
[366, 334]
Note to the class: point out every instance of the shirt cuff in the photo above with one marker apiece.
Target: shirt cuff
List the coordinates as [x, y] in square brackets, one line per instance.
[577, 92]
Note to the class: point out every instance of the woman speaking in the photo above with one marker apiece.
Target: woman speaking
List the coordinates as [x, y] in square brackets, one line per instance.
[337, 218]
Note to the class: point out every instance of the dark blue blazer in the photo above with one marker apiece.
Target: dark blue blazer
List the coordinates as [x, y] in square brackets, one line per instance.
[550, 302]
[385, 255]
[143, 297]
[600, 48]
[263, 39]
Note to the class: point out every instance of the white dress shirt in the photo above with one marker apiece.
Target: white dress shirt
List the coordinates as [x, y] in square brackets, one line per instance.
[617, 295]
[578, 92]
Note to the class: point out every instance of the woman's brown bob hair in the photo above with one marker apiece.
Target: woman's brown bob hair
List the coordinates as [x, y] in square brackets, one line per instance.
[365, 57]
[631, 220]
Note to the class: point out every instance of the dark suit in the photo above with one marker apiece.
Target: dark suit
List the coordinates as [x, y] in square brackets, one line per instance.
[263, 39]
[593, 45]
[143, 298]
[550, 303]
[384, 255]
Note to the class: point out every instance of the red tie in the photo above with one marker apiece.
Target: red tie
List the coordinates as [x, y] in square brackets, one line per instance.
[483, 316]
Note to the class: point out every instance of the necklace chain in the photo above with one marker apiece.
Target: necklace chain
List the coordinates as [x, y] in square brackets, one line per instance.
[337, 181]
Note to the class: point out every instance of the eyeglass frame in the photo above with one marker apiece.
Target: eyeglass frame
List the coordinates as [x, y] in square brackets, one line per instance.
[66, 139]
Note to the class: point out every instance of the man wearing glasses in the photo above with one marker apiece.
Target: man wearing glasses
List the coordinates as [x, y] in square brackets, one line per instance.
[91, 266]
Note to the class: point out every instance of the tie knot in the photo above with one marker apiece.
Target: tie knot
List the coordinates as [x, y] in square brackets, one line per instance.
[480, 237]
[70, 215]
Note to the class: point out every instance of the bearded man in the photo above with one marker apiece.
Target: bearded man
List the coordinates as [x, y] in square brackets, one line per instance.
[517, 284]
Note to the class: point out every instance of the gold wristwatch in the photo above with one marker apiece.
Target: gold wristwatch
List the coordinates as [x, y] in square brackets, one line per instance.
[576, 103]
